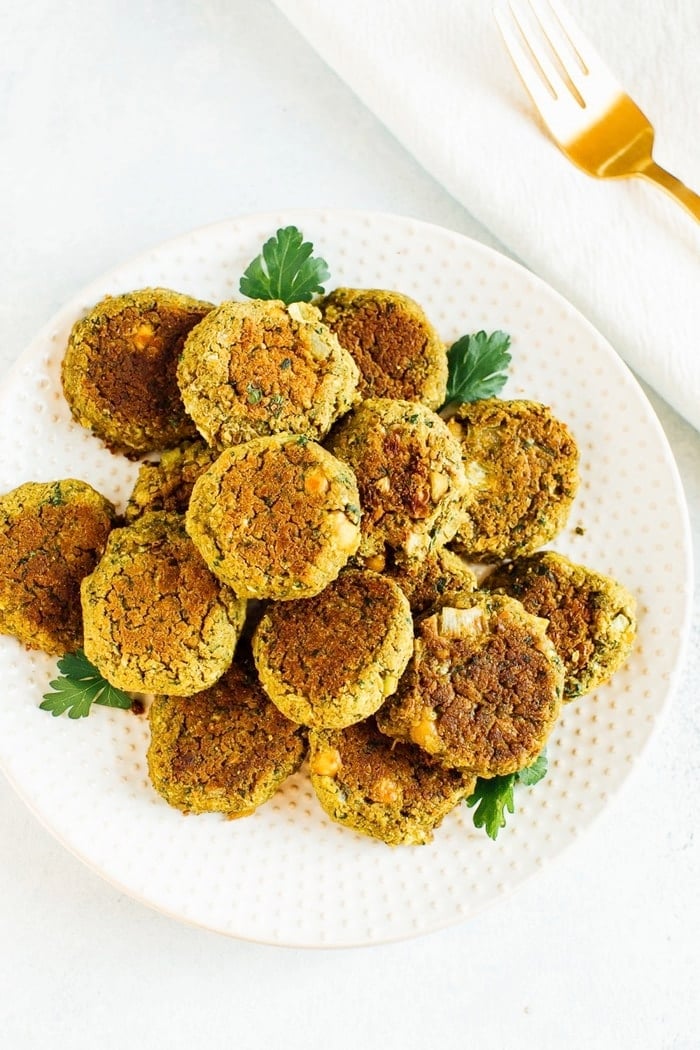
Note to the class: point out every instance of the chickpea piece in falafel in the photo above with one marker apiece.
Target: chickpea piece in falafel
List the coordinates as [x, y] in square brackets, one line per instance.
[52, 534]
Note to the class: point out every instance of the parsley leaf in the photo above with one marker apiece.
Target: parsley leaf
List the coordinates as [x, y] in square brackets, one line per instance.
[79, 686]
[492, 798]
[477, 366]
[285, 270]
[534, 773]
[495, 796]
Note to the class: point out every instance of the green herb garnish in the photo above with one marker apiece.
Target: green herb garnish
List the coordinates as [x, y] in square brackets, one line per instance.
[79, 686]
[56, 498]
[477, 365]
[285, 269]
[495, 796]
[254, 393]
[276, 405]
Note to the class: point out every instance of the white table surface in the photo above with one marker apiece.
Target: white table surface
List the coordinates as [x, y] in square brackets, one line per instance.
[121, 125]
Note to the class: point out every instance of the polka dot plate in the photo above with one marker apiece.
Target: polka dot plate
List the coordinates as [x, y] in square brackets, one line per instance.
[287, 875]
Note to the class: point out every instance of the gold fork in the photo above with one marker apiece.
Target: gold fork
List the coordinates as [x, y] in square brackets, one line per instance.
[592, 120]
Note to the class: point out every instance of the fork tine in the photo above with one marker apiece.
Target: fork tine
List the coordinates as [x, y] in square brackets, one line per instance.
[564, 54]
[537, 43]
[545, 86]
[565, 30]
[536, 82]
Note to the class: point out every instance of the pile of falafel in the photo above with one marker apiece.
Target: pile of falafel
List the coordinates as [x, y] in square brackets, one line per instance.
[293, 578]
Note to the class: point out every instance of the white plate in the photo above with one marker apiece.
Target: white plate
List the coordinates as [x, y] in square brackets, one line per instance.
[287, 875]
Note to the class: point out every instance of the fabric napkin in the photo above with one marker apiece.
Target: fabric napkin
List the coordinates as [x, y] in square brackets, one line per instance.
[437, 74]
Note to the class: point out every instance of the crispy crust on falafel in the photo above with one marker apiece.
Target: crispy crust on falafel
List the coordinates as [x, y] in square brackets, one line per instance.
[331, 660]
[409, 472]
[483, 689]
[440, 578]
[167, 485]
[119, 368]
[276, 518]
[522, 465]
[259, 368]
[591, 616]
[156, 620]
[397, 350]
[390, 790]
[225, 750]
[52, 534]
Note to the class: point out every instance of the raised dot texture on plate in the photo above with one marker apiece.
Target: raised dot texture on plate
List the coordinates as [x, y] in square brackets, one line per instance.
[287, 875]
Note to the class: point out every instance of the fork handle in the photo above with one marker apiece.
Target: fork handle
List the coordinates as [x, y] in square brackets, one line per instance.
[655, 173]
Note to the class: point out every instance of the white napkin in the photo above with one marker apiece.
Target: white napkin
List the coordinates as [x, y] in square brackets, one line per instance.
[437, 74]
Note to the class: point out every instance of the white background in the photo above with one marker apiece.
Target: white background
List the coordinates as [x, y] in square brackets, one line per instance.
[123, 124]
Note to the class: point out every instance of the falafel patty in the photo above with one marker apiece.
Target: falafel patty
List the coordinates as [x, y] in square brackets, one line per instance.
[392, 791]
[258, 368]
[118, 370]
[225, 750]
[52, 534]
[440, 578]
[167, 485]
[397, 350]
[591, 617]
[483, 689]
[156, 620]
[409, 472]
[332, 660]
[277, 517]
[522, 465]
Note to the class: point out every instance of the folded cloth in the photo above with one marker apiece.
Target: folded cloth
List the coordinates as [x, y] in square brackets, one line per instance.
[437, 74]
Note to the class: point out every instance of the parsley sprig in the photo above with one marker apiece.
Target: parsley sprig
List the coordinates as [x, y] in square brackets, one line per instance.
[285, 269]
[495, 796]
[79, 686]
[476, 367]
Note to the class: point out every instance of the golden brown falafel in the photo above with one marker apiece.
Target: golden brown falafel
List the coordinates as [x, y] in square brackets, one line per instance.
[591, 617]
[277, 517]
[397, 350]
[52, 534]
[259, 368]
[409, 472]
[390, 790]
[440, 578]
[522, 466]
[225, 750]
[483, 689]
[119, 369]
[167, 485]
[331, 660]
[156, 620]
